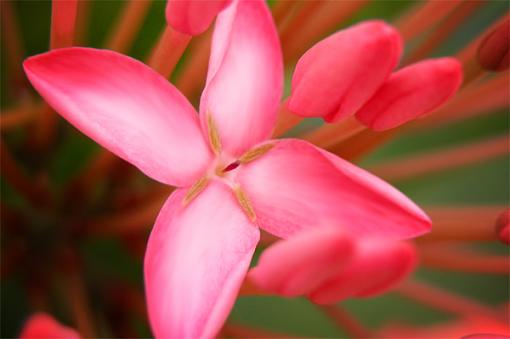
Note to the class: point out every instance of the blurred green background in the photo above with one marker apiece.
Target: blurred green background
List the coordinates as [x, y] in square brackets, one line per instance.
[107, 258]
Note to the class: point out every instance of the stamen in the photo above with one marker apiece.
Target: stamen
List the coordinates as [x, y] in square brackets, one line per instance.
[245, 203]
[214, 136]
[255, 153]
[197, 187]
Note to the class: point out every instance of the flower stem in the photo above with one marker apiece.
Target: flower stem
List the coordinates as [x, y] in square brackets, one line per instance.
[128, 25]
[466, 223]
[443, 300]
[286, 120]
[345, 321]
[168, 51]
[460, 260]
[192, 76]
[444, 159]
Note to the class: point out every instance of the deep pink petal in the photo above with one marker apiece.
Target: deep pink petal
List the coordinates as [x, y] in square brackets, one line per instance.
[196, 260]
[334, 78]
[42, 325]
[126, 107]
[412, 92]
[376, 267]
[299, 265]
[245, 76]
[296, 185]
[193, 17]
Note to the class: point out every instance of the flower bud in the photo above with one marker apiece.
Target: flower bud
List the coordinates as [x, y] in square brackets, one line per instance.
[193, 17]
[493, 51]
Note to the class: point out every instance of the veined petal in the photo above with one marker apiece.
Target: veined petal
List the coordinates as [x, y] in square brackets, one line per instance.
[193, 17]
[126, 107]
[196, 260]
[376, 266]
[412, 92]
[300, 264]
[245, 77]
[296, 185]
[42, 325]
[334, 78]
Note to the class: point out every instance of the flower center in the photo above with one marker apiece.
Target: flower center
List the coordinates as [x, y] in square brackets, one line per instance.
[226, 173]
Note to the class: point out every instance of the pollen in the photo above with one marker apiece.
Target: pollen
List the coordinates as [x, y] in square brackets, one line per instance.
[245, 204]
[214, 136]
[255, 153]
[195, 190]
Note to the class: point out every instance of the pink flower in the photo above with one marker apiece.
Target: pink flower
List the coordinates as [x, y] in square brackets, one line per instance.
[231, 178]
[42, 325]
[328, 266]
[350, 73]
[193, 17]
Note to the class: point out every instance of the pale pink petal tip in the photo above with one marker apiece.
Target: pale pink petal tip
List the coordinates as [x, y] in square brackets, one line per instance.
[126, 107]
[43, 326]
[196, 260]
[334, 78]
[300, 264]
[193, 17]
[412, 92]
[245, 77]
[376, 267]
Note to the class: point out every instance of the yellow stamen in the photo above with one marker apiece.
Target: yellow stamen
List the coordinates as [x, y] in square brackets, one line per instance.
[197, 187]
[245, 204]
[255, 153]
[214, 136]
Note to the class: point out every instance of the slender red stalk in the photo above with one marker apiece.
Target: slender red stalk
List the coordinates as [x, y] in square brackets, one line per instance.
[460, 260]
[345, 321]
[82, 22]
[422, 16]
[481, 97]
[443, 159]
[192, 76]
[462, 223]
[16, 177]
[301, 16]
[329, 135]
[282, 10]
[133, 220]
[168, 51]
[243, 331]
[324, 20]
[286, 120]
[22, 115]
[128, 25]
[443, 300]
[443, 31]
[63, 20]
[78, 300]
[11, 38]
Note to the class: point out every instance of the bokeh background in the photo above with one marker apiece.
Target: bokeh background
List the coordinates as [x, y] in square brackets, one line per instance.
[50, 256]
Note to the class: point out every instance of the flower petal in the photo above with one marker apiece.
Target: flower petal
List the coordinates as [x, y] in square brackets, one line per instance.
[377, 266]
[334, 78]
[126, 107]
[193, 17]
[245, 77]
[42, 325]
[298, 266]
[412, 92]
[296, 185]
[196, 259]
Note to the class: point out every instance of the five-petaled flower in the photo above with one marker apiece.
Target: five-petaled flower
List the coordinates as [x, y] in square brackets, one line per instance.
[231, 179]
